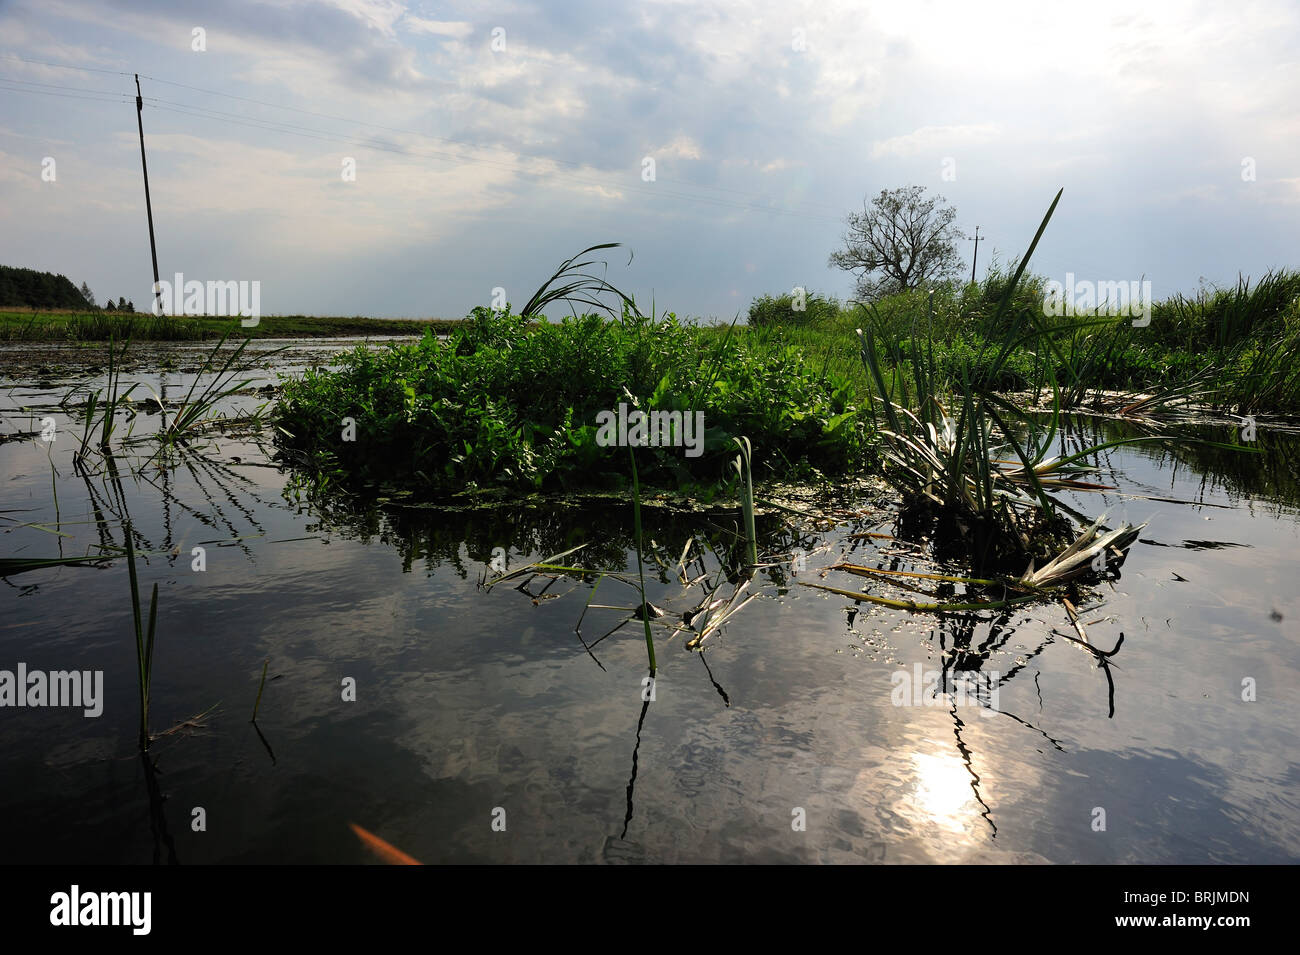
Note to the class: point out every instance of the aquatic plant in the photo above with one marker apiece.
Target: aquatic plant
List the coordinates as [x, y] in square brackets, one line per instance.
[1220, 319]
[514, 404]
[744, 470]
[107, 400]
[809, 308]
[198, 408]
[1087, 554]
[953, 462]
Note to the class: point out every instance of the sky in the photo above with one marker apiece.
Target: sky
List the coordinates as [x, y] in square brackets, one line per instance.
[491, 141]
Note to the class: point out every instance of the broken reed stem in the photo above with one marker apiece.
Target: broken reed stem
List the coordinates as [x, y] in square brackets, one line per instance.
[925, 607]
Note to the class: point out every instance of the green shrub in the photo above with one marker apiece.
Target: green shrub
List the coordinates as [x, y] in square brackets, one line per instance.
[780, 311]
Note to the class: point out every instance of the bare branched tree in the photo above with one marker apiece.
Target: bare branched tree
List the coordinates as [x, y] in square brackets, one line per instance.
[900, 240]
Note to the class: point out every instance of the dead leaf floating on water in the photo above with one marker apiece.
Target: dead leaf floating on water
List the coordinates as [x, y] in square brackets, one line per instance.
[386, 851]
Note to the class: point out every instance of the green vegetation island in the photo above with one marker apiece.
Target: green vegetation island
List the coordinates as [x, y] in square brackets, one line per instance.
[952, 392]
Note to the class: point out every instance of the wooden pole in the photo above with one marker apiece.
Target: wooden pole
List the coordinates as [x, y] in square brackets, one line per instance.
[148, 206]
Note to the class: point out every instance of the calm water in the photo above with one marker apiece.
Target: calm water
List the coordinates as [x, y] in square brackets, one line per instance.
[469, 702]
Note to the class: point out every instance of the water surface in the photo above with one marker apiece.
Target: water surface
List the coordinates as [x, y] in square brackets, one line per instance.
[469, 701]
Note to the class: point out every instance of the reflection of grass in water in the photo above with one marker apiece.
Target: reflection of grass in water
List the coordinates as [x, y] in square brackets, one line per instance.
[644, 609]
[706, 617]
[1267, 472]
[10, 566]
[144, 638]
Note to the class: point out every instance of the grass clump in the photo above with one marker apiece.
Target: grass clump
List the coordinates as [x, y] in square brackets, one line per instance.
[800, 307]
[510, 401]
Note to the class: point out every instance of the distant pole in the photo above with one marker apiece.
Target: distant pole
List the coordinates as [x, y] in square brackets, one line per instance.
[972, 261]
[148, 206]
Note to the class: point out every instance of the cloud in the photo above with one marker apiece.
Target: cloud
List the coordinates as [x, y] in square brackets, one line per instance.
[457, 29]
[1125, 109]
[682, 147]
[12, 170]
[933, 140]
[349, 42]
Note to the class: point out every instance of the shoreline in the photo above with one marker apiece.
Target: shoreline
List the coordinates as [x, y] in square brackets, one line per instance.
[26, 325]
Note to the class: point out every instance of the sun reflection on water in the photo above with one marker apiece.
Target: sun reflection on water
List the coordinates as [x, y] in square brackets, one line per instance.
[943, 794]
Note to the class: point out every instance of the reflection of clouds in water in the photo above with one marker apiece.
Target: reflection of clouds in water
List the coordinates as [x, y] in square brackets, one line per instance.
[470, 700]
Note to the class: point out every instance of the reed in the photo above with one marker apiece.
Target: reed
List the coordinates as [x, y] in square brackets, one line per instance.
[744, 470]
[197, 408]
[144, 638]
[114, 395]
[955, 462]
[569, 283]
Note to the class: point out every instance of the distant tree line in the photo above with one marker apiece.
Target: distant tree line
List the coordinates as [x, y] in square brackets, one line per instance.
[27, 288]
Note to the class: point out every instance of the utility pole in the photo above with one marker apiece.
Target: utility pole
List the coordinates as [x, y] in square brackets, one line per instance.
[148, 206]
[972, 261]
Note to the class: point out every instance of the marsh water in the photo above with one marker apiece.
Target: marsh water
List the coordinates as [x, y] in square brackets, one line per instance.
[486, 728]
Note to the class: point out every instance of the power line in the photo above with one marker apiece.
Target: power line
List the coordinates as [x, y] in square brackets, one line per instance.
[61, 66]
[55, 86]
[122, 98]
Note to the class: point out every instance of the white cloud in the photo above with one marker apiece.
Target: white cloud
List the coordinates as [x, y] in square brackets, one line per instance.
[457, 29]
[379, 14]
[681, 147]
[1126, 108]
[933, 140]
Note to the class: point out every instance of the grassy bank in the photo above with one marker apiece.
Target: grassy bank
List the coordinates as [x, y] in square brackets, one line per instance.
[42, 325]
[1236, 349]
